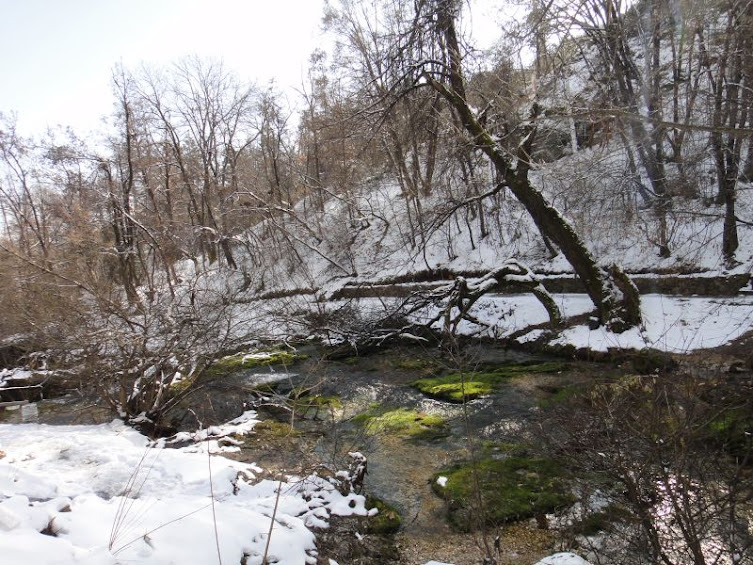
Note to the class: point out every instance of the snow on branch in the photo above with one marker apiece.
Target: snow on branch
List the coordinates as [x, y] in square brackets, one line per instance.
[455, 301]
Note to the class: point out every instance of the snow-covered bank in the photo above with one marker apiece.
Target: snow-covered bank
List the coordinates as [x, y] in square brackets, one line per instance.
[101, 495]
[674, 324]
[106, 495]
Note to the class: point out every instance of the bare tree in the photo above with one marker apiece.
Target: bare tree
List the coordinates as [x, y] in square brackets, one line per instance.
[438, 62]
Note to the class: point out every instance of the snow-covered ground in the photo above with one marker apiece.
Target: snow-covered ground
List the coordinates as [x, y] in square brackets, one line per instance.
[675, 324]
[671, 323]
[104, 495]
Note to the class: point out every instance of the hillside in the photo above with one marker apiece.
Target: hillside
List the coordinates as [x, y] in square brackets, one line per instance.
[625, 144]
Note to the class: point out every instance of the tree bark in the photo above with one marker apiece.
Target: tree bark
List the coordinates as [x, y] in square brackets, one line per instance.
[615, 297]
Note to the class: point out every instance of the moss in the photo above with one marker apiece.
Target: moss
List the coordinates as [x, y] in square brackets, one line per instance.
[419, 365]
[462, 387]
[558, 395]
[318, 401]
[304, 396]
[509, 489]
[386, 522]
[404, 423]
[245, 361]
[271, 428]
[731, 430]
[311, 405]
[181, 386]
[496, 449]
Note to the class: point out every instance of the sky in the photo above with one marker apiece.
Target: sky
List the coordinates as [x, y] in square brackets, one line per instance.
[58, 55]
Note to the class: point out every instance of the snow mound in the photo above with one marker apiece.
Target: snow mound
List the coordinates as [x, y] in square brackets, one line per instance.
[101, 495]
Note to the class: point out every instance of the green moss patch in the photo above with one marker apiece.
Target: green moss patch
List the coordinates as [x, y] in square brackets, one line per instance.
[386, 522]
[313, 405]
[731, 430]
[419, 365]
[464, 386]
[558, 395]
[404, 423]
[496, 491]
[458, 387]
[272, 428]
[245, 361]
[181, 386]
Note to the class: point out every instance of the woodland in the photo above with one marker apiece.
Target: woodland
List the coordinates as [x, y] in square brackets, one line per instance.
[597, 142]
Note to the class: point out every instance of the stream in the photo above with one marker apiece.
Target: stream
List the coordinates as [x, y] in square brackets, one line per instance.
[400, 468]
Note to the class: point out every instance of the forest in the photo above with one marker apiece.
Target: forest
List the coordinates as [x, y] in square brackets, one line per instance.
[598, 142]
[623, 143]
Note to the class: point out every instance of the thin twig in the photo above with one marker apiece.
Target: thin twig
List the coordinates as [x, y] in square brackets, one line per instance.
[214, 513]
[272, 523]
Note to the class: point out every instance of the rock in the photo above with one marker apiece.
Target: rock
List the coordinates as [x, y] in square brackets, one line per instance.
[343, 542]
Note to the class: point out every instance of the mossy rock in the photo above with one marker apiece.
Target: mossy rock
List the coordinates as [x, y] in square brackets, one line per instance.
[386, 522]
[183, 385]
[731, 430]
[272, 428]
[419, 365]
[460, 387]
[245, 361]
[457, 390]
[312, 405]
[511, 489]
[403, 423]
[498, 449]
[317, 401]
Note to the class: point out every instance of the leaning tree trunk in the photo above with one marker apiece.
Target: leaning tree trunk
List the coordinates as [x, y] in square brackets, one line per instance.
[615, 297]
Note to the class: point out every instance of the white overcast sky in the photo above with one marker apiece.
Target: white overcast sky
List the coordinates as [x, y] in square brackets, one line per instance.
[57, 56]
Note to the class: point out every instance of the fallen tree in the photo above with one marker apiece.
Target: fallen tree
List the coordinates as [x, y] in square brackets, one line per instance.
[455, 301]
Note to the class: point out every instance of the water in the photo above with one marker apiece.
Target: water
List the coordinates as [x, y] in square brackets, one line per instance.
[23, 414]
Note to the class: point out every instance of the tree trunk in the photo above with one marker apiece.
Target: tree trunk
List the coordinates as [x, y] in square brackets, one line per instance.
[615, 297]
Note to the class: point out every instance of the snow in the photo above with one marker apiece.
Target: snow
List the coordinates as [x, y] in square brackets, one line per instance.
[563, 559]
[672, 324]
[241, 425]
[109, 495]
[556, 559]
